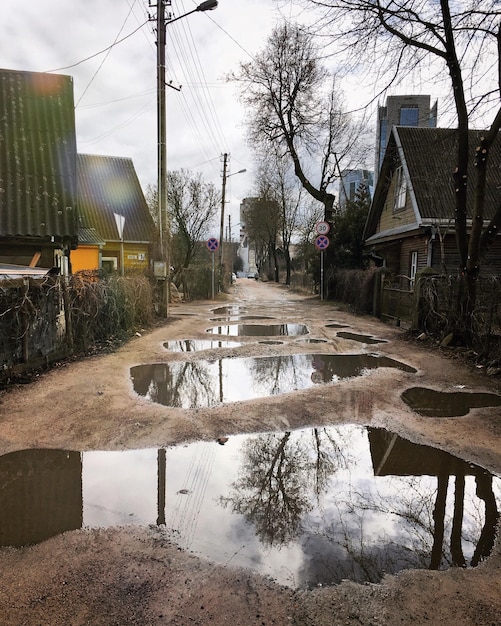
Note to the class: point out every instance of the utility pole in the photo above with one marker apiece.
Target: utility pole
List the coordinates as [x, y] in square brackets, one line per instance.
[162, 148]
[221, 229]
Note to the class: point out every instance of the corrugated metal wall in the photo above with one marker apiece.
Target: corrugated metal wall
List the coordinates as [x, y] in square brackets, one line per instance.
[37, 156]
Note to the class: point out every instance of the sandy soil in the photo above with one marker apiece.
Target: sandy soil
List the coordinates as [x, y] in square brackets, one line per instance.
[133, 575]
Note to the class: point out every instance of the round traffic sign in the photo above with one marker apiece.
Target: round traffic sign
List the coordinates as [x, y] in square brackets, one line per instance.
[322, 242]
[212, 244]
[322, 228]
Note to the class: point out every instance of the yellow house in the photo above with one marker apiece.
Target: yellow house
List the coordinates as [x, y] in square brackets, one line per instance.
[116, 229]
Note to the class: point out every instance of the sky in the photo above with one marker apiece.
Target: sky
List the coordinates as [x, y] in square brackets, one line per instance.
[115, 88]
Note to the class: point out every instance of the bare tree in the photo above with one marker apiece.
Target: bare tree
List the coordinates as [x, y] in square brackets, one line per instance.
[192, 205]
[277, 181]
[295, 104]
[459, 42]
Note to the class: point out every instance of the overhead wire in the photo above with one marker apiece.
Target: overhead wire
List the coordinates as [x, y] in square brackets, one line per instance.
[108, 52]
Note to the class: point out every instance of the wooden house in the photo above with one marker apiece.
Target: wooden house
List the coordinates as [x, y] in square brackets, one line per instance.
[116, 229]
[411, 219]
[38, 213]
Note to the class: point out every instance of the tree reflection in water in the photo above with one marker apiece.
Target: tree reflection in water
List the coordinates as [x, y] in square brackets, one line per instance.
[422, 508]
[273, 490]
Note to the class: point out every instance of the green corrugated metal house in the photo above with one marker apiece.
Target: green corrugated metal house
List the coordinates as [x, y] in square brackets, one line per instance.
[109, 194]
[38, 213]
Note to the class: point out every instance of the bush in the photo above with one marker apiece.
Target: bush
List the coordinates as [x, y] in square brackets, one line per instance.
[354, 287]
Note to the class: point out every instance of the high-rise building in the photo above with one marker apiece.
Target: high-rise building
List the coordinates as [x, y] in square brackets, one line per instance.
[411, 110]
[350, 183]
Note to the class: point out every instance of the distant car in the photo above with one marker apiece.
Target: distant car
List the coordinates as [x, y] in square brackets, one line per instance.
[254, 275]
[233, 277]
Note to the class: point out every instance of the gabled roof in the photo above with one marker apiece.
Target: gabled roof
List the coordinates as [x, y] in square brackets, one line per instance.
[37, 156]
[428, 157]
[109, 185]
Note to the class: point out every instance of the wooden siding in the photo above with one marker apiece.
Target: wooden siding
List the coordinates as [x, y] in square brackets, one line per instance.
[409, 245]
[390, 218]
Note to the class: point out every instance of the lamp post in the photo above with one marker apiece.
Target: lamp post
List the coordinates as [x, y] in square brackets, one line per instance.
[208, 5]
[223, 200]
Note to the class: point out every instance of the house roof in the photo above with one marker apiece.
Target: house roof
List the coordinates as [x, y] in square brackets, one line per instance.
[108, 186]
[37, 156]
[428, 156]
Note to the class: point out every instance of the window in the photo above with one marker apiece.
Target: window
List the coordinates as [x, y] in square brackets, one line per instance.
[409, 116]
[400, 189]
[413, 268]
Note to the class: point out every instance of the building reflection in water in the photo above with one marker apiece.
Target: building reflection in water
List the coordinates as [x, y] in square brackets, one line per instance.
[305, 507]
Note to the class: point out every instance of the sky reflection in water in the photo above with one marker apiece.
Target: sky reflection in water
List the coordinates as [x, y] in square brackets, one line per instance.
[304, 507]
[203, 383]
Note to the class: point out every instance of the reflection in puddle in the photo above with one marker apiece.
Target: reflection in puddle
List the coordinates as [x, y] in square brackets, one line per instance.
[237, 318]
[362, 338]
[203, 383]
[305, 507]
[233, 309]
[260, 330]
[433, 403]
[336, 325]
[194, 345]
[272, 342]
[312, 340]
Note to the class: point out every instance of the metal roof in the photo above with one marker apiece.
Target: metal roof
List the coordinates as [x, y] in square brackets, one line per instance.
[429, 156]
[37, 156]
[109, 185]
[11, 271]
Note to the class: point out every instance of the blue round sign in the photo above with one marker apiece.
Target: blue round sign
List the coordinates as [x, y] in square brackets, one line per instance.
[322, 242]
[212, 244]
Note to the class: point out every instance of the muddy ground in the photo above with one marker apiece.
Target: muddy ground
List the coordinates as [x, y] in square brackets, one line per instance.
[133, 575]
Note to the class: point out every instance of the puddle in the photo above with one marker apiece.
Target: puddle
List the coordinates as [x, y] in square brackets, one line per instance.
[204, 383]
[307, 507]
[312, 340]
[368, 339]
[260, 330]
[232, 309]
[271, 342]
[336, 326]
[431, 403]
[243, 318]
[195, 345]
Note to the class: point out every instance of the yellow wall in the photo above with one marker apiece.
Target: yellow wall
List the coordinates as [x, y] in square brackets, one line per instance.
[84, 258]
[136, 256]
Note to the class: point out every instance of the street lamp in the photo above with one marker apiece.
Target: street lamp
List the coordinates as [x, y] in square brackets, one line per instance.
[208, 5]
[223, 200]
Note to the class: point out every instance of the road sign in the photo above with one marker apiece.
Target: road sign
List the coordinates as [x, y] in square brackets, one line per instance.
[322, 228]
[212, 244]
[322, 242]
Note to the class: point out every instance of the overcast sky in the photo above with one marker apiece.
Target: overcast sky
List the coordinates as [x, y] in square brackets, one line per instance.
[115, 91]
[108, 47]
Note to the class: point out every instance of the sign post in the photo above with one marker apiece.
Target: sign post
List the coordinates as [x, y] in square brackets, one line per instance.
[322, 242]
[212, 245]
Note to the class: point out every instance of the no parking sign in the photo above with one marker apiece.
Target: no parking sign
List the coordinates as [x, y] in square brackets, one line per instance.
[212, 244]
[322, 242]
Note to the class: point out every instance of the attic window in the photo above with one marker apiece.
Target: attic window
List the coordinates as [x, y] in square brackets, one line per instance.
[400, 189]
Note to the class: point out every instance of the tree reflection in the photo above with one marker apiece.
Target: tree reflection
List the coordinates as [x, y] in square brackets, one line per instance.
[273, 490]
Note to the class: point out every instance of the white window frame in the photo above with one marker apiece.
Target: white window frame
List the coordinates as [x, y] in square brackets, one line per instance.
[400, 189]
[413, 267]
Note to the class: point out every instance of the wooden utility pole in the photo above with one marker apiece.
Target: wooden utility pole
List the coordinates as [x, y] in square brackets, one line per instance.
[221, 230]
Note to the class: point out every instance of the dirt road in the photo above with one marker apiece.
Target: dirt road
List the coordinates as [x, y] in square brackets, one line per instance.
[133, 575]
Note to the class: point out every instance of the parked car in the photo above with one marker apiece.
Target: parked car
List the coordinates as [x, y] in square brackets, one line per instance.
[254, 275]
[233, 277]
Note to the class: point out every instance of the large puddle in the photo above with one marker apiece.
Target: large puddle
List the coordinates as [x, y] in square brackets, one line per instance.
[203, 383]
[306, 507]
[260, 330]
[432, 403]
